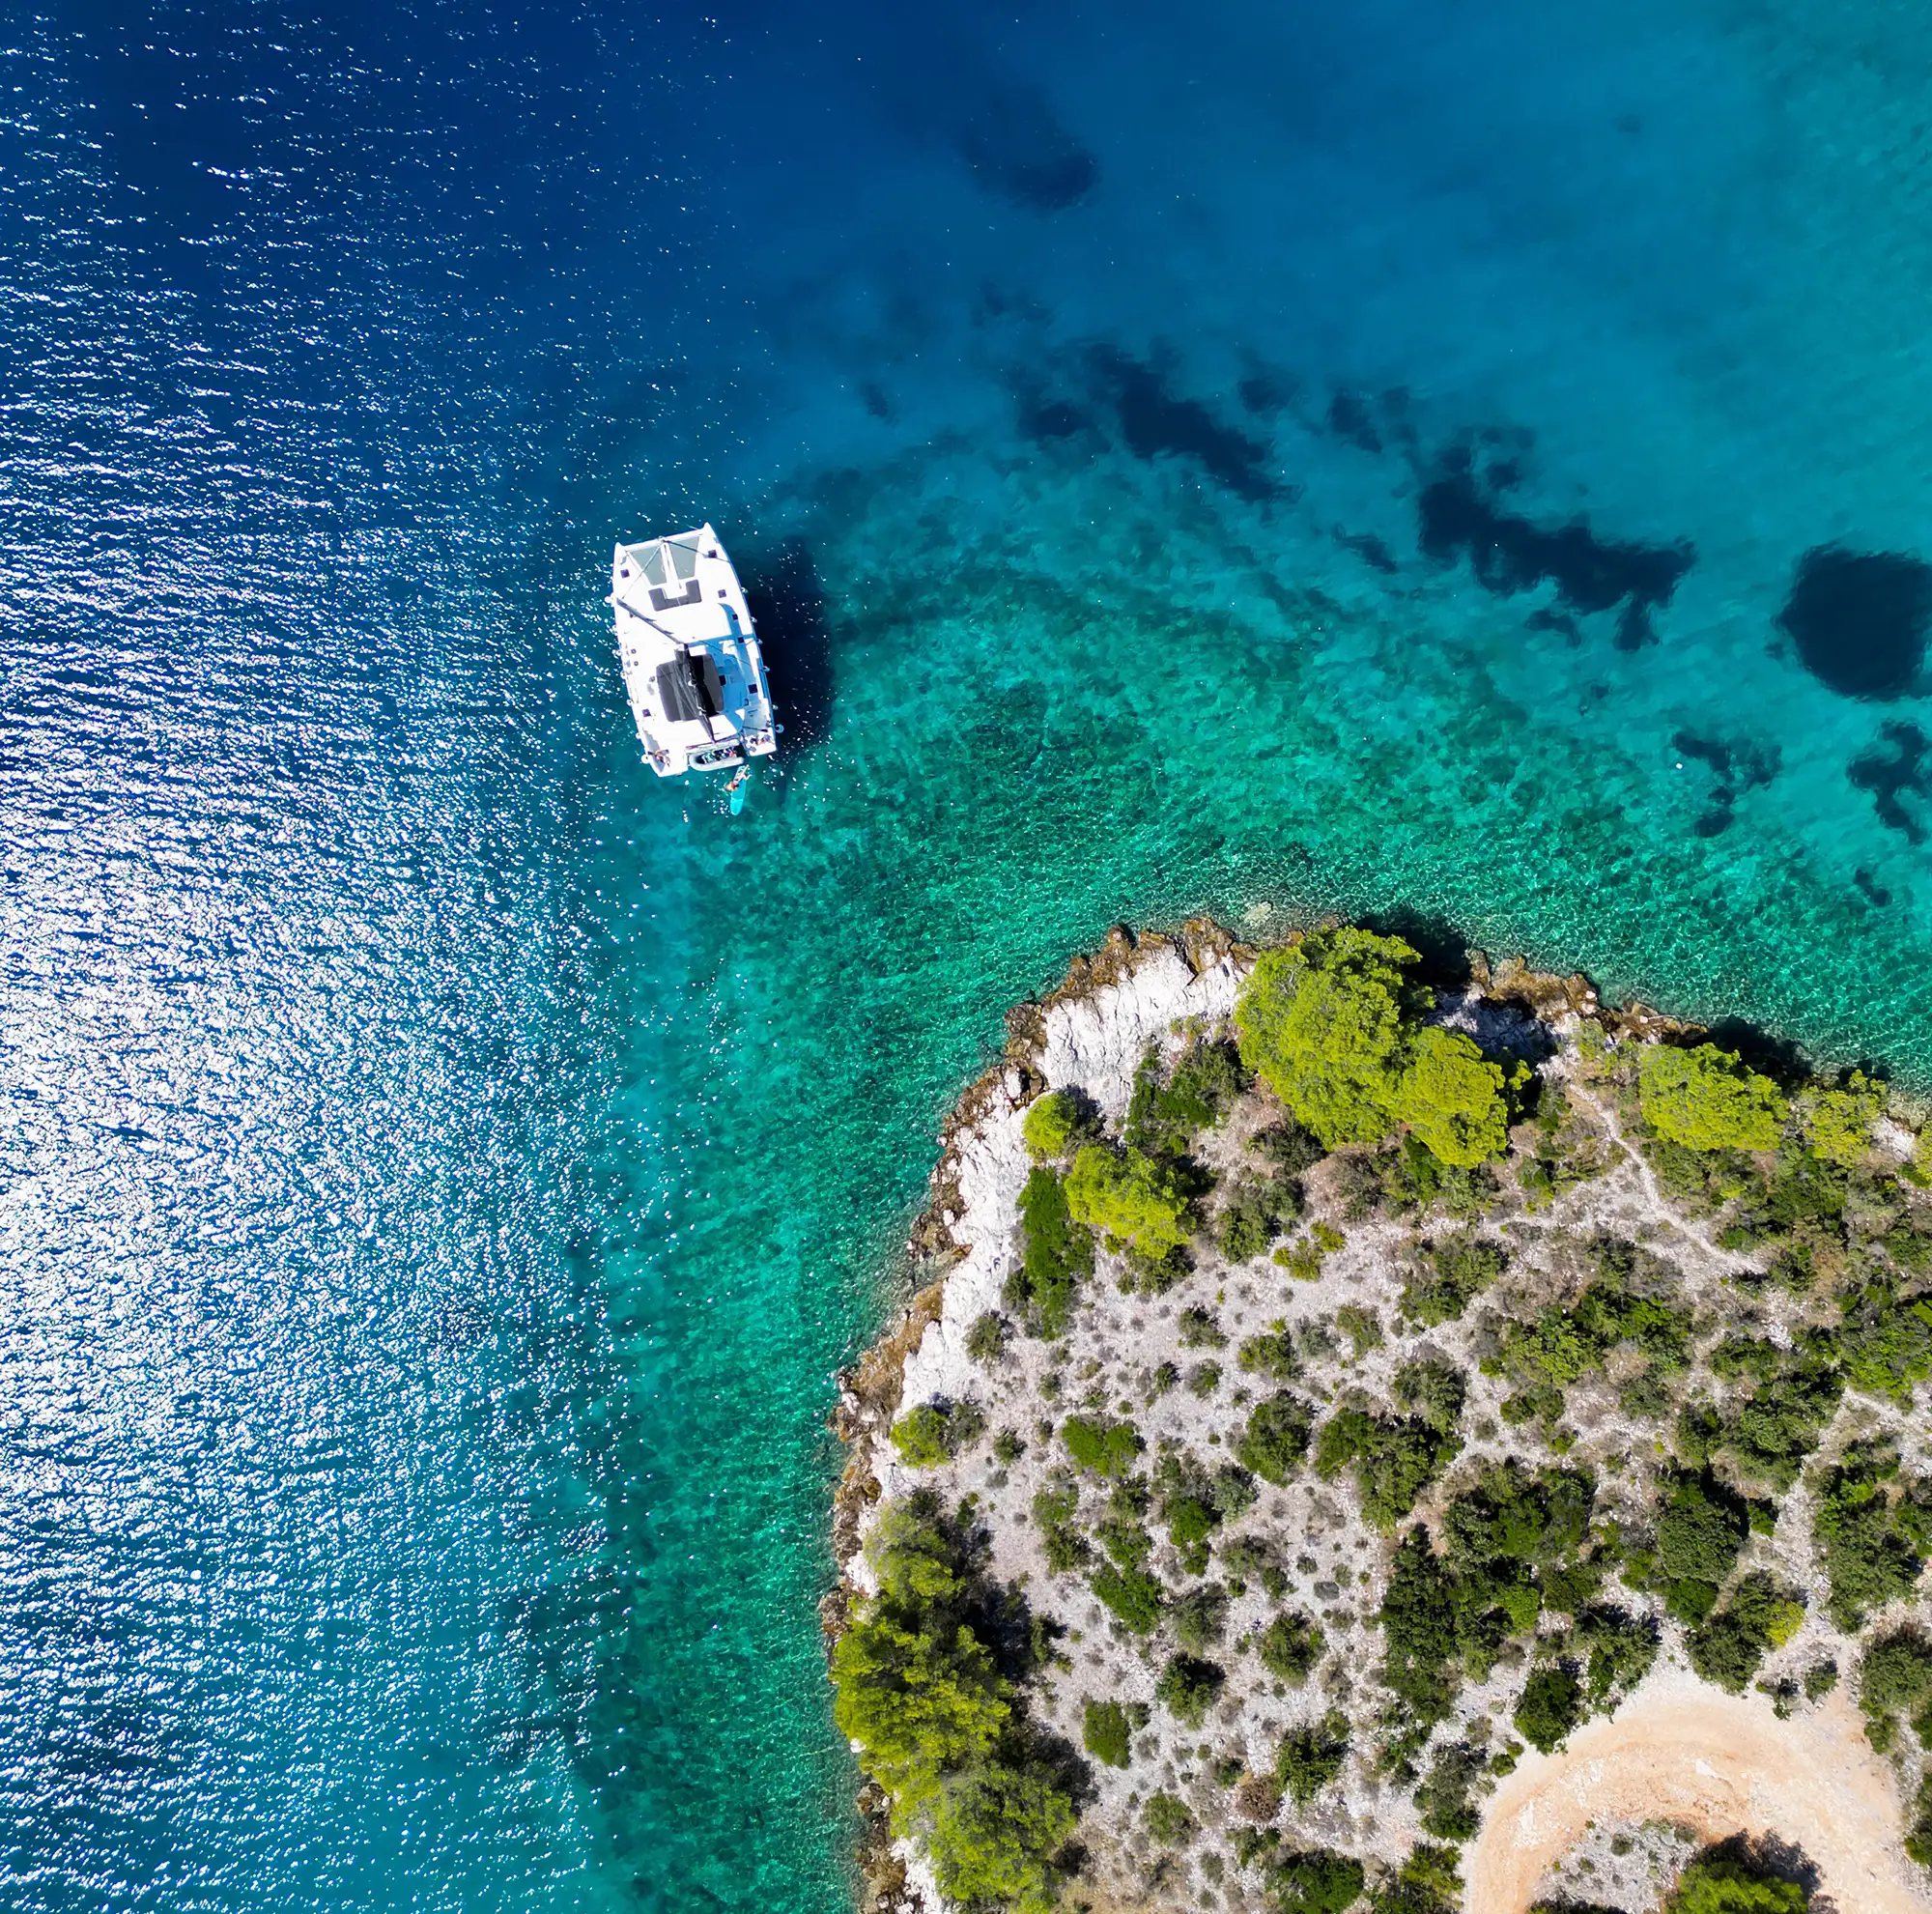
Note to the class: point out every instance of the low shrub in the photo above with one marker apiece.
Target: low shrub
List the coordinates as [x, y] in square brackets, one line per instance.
[1188, 1687]
[1428, 1881]
[1169, 1821]
[1290, 1646]
[1315, 1881]
[1454, 1271]
[1269, 1353]
[1055, 1510]
[1252, 1559]
[1312, 1756]
[1883, 1345]
[987, 1338]
[1432, 1391]
[1872, 1529]
[1105, 1448]
[1407, 1179]
[1551, 1706]
[1133, 1597]
[1193, 1503]
[1275, 1441]
[1448, 1794]
[1255, 1214]
[1362, 1327]
[1171, 1103]
[1105, 1733]
[1200, 1617]
[1392, 1460]
[1618, 1649]
[934, 1433]
[1757, 1617]
[1197, 1329]
[1122, 1529]
[1424, 1621]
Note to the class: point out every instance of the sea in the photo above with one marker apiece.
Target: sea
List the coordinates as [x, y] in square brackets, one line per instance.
[1467, 465]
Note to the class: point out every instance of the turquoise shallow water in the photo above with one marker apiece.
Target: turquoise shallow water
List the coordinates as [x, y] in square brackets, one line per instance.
[442, 1166]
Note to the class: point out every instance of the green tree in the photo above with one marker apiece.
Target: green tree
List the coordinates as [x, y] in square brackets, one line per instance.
[1057, 1255]
[1871, 1529]
[1453, 1098]
[1706, 1099]
[1552, 1705]
[1700, 1531]
[994, 1830]
[1320, 1024]
[1838, 1123]
[1051, 1123]
[1717, 1885]
[935, 1722]
[1315, 1881]
[1755, 1618]
[1132, 1199]
[915, 1688]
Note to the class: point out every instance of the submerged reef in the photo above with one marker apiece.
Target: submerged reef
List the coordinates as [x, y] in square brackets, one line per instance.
[1338, 1403]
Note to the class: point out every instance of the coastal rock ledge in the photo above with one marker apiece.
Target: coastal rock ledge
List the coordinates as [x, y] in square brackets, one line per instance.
[1368, 1446]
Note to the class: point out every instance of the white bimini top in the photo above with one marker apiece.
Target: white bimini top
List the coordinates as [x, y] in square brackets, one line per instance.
[692, 664]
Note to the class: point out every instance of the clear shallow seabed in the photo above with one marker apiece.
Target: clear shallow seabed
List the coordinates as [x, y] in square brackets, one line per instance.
[442, 1165]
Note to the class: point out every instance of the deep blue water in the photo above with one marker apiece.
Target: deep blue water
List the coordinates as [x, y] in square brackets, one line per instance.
[1465, 464]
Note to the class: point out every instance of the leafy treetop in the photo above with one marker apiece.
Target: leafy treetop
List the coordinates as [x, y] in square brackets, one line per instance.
[1330, 1024]
[1706, 1099]
[1131, 1198]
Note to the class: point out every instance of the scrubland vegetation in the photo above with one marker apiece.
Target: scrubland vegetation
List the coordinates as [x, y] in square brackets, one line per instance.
[1373, 1406]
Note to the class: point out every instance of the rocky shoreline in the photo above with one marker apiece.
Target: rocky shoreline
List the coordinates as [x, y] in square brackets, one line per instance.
[1128, 1348]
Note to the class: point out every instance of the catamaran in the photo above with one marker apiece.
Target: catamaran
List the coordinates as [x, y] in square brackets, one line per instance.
[692, 664]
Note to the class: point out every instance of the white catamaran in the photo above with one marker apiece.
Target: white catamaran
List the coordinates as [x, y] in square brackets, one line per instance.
[692, 664]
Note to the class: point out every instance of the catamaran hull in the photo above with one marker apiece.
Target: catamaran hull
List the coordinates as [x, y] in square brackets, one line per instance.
[693, 669]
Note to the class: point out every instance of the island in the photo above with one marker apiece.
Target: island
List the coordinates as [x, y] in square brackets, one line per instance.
[1363, 1440]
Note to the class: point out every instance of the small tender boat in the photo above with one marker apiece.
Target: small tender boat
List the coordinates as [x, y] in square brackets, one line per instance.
[692, 664]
